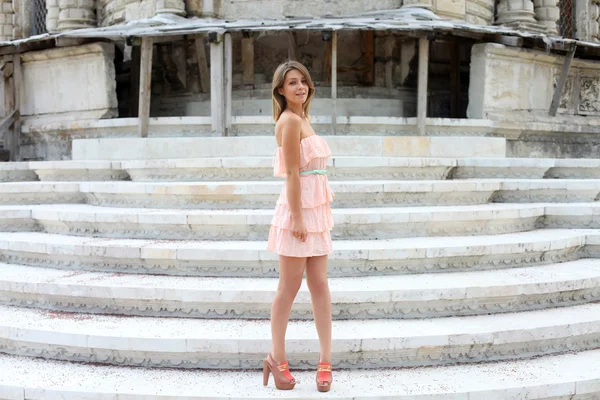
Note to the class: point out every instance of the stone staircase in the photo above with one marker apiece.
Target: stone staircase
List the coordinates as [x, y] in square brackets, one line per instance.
[134, 274]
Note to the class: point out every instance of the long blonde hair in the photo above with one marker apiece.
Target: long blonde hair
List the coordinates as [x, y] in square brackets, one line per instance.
[279, 102]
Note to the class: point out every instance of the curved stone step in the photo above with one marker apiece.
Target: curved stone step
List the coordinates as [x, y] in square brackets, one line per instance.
[350, 223]
[542, 378]
[259, 194]
[16, 172]
[13, 193]
[412, 296]
[339, 168]
[249, 258]
[226, 344]
[118, 149]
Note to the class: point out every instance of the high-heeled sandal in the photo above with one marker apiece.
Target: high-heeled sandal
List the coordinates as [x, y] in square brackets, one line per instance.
[281, 374]
[324, 377]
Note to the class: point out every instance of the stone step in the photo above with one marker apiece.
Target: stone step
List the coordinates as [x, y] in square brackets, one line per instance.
[117, 149]
[350, 223]
[249, 258]
[413, 296]
[227, 344]
[263, 195]
[40, 193]
[339, 168]
[550, 377]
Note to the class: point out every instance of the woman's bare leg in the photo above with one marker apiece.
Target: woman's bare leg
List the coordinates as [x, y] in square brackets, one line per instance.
[316, 278]
[291, 270]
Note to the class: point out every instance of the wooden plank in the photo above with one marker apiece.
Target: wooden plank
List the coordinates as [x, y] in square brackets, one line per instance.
[422, 85]
[248, 61]
[228, 82]
[15, 150]
[455, 95]
[202, 65]
[564, 73]
[145, 86]
[134, 80]
[334, 43]
[369, 57]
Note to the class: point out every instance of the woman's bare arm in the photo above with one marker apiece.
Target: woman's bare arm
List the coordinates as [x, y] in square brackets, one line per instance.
[291, 126]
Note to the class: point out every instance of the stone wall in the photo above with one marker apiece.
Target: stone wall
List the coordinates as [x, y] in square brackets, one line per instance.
[261, 9]
[479, 12]
[69, 83]
[506, 79]
[112, 12]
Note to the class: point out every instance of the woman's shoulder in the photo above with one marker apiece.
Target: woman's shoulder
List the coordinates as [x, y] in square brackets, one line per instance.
[289, 119]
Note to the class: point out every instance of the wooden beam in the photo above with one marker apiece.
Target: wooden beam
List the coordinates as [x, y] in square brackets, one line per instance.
[216, 84]
[422, 85]
[334, 43]
[8, 120]
[145, 86]
[564, 73]
[134, 80]
[202, 64]
[248, 61]
[388, 47]
[455, 86]
[292, 46]
[228, 82]
[327, 66]
[369, 57]
[15, 151]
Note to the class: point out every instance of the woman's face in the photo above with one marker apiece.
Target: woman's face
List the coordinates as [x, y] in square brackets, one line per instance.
[295, 89]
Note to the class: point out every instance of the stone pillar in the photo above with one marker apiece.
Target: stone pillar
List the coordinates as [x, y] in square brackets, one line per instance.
[515, 12]
[428, 4]
[592, 21]
[194, 7]
[52, 10]
[76, 14]
[7, 16]
[170, 7]
[548, 14]
[113, 12]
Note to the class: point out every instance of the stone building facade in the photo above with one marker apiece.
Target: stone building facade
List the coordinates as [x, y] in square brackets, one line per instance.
[477, 85]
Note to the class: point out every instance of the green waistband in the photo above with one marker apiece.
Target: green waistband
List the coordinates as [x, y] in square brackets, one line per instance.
[314, 172]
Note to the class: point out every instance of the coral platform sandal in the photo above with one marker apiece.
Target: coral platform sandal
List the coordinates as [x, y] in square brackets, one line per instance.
[324, 377]
[281, 374]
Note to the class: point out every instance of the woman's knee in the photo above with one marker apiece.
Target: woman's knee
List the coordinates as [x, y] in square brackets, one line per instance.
[318, 285]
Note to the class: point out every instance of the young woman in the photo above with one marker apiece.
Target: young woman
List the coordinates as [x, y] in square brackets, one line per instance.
[300, 227]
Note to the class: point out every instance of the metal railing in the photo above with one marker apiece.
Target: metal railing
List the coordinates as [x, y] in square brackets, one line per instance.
[38, 17]
[566, 24]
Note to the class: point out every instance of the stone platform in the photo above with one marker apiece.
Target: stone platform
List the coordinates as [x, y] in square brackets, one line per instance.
[478, 271]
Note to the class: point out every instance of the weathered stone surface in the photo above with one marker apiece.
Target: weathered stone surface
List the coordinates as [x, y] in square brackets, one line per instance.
[505, 79]
[54, 83]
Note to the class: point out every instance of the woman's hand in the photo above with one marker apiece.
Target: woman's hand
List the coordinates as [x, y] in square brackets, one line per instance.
[298, 228]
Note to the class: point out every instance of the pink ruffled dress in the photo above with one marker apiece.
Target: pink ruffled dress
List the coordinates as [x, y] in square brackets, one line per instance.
[315, 197]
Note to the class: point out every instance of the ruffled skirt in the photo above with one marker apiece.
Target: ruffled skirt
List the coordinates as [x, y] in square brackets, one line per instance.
[316, 196]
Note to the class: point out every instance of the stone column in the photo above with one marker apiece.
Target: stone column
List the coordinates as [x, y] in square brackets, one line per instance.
[52, 10]
[76, 14]
[515, 12]
[170, 7]
[7, 16]
[428, 4]
[592, 22]
[548, 14]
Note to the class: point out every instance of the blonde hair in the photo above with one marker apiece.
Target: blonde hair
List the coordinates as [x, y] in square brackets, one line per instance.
[279, 102]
